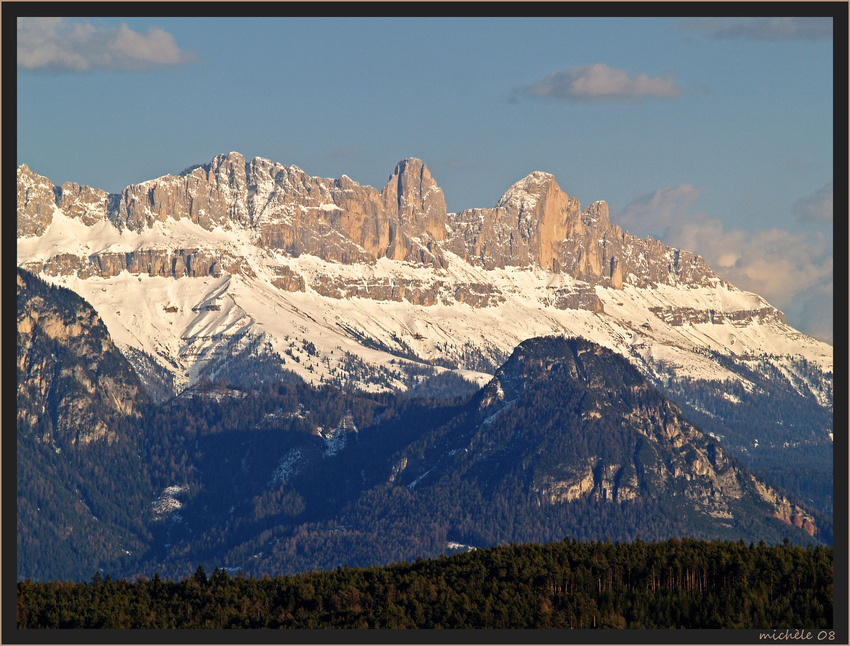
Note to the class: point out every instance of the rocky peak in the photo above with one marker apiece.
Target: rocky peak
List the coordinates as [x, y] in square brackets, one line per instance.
[89, 205]
[534, 222]
[230, 172]
[595, 216]
[526, 226]
[36, 203]
[416, 200]
[657, 452]
[540, 359]
[526, 193]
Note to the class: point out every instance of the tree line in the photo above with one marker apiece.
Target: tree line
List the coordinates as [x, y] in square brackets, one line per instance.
[679, 583]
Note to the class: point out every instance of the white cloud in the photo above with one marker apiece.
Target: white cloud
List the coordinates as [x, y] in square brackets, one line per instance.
[774, 263]
[61, 45]
[816, 207]
[787, 269]
[600, 82]
[787, 28]
[793, 271]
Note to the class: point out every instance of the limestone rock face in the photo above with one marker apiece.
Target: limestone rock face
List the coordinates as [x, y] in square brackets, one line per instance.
[89, 205]
[413, 198]
[405, 290]
[36, 203]
[416, 211]
[283, 210]
[337, 220]
[535, 223]
[526, 226]
[576, 298]
[77, 386]
[542, 214]
[288, 280]
[687, 315]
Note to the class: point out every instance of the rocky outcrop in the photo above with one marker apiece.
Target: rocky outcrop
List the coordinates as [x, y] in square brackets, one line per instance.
[678, 316]
[577, 297]
[666, 455]
[36, 203]
[526, 227]
[86, 204]
[337, 220]
[64, 264]
[784, 509]
[411, 291]
[534, 222]
[152, 262]
[416, 211]
[379, 289]
[74, 386]
[565, 489]
[284, 210]
[288, 280]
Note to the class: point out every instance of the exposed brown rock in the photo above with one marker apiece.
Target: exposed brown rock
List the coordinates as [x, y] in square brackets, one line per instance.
[89, 205]
[682, 315]
[579, 297]
[63, 264]
[527, 226]
[534, 223]
[288, 280]
[75, 395]
[36, 203]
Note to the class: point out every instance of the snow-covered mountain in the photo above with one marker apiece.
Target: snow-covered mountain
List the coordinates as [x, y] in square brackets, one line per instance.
[238, 261]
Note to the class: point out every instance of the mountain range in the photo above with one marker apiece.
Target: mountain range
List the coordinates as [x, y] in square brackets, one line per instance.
[192, 269]
[252, 273]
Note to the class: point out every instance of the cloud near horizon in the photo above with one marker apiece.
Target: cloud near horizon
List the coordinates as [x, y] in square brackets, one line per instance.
[599, 82]
[62, 45]
[792, 271]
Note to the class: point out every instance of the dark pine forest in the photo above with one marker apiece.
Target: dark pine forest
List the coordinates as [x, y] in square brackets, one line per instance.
[568, 584]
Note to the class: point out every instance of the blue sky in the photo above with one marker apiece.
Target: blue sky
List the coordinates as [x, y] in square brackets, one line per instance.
[713, 135]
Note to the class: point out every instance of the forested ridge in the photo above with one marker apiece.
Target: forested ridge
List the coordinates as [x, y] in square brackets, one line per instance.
[678, 583]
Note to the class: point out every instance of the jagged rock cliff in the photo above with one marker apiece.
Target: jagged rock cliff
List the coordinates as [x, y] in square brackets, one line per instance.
[285, 214]
[289, 211]
[74, 386]
[534, 223]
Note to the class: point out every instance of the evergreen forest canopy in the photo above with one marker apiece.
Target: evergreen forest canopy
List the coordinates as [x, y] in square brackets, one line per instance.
[568, 584]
